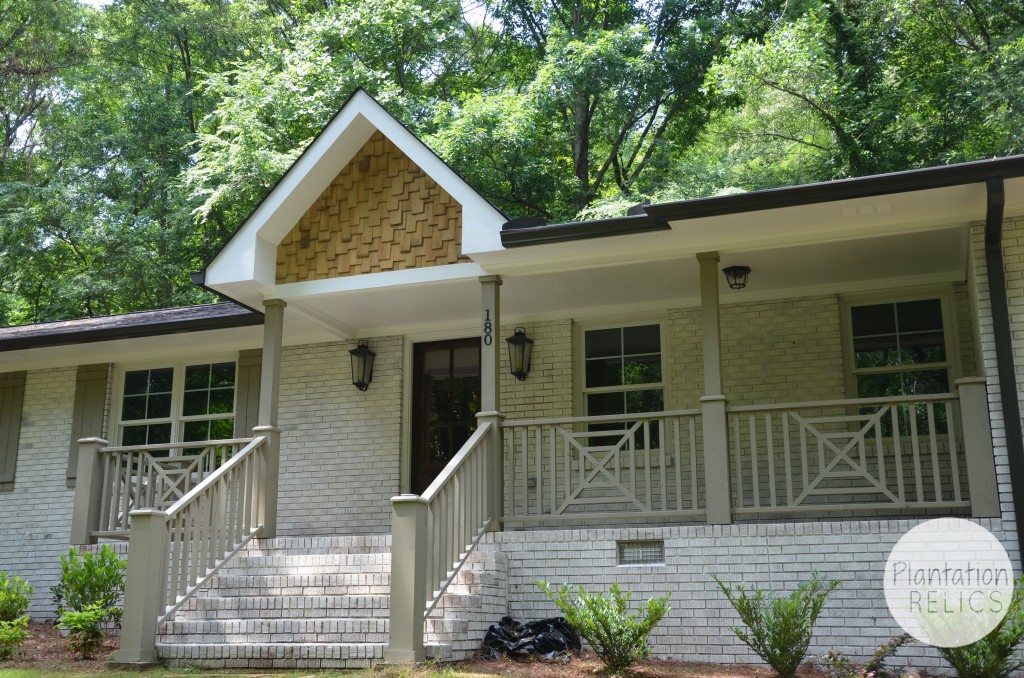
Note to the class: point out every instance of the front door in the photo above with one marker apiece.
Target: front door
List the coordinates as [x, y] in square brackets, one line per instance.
[446, 399]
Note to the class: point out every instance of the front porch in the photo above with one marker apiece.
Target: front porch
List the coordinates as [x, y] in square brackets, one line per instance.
[192, 509]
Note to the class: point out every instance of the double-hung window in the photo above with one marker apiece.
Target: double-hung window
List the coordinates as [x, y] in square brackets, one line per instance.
[899, 348]
[622, 370]
[185, 402]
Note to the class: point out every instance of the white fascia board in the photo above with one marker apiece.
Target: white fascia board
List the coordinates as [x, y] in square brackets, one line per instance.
[368, 281]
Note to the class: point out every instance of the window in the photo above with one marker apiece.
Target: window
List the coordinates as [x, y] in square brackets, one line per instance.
[181, 403]
[622, 370]
[899, 348]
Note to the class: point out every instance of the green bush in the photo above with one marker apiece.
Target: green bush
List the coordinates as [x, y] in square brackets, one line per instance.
[618, 637]
[779, 629]
[14, 593]
[12, 634]
[838, 665]
[85, 628]
[995, 655]
[90, 579]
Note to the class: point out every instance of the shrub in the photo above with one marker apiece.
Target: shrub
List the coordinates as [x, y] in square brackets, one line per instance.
[779, 629]
[85, 628]
[93, 578]
[12, 634]
[838, 665]
[618, 637]
[14, 602]
[993, 656]
[14, 593]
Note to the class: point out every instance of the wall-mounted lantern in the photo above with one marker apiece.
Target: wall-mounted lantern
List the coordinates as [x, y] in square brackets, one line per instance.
[362, 365]
[736, 276]
[520, 347]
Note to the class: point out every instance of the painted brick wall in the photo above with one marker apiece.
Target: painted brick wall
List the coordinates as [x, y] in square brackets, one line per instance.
[35, 519]
[340, 447]
[776, 557]
[774, 351]
[547, 391]
[1013, 252]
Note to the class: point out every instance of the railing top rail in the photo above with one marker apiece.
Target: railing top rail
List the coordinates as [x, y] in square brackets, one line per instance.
[457, 461]
[639, 416]
[851, 402]
[175, 446]
[216, 475]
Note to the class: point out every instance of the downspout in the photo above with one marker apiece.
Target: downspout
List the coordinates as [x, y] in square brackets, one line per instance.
[1004, 349]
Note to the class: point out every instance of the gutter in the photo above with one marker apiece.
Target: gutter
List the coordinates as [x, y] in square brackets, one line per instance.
[1004, 349]
[199, 280]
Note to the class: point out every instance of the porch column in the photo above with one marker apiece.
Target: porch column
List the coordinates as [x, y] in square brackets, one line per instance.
[717, 493]
[145, 588]
[270, 386]
[408, 580]
[977, 431]
[88, 491]
[490, 390]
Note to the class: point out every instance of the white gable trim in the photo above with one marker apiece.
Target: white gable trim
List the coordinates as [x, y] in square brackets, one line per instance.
[249, 258]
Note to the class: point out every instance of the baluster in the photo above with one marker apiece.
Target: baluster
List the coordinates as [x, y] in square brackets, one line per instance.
[646, 450]
[787, 456]
[769, 433]
[880, 451]
[664, 471]
[754, 473]
[916, 447]
[897, 452]
[738, 457]
[554, 469]
[111, 493]
[934, 443]
[692, 425]
[803, 456]
[525, 445]
[953, 461]
[432, 547]
[677, 453]
[539, 451]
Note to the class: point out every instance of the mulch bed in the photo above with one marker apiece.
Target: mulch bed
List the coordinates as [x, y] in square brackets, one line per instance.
[45, 650]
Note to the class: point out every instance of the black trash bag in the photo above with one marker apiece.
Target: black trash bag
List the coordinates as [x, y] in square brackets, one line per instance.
[551, 639]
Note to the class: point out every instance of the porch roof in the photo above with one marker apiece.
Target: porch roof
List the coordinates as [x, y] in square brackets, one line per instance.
[644, 218]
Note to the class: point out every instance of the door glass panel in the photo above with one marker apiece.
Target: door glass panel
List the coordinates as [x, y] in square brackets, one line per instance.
[436, 364]
[466, 362]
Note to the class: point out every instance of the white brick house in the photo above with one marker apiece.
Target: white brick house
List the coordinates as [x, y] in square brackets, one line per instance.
[867, 318]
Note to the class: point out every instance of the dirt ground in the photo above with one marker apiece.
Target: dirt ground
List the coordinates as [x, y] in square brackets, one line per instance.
[45, 651]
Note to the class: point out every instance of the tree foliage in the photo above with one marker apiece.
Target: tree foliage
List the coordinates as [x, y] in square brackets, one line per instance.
[138, 136]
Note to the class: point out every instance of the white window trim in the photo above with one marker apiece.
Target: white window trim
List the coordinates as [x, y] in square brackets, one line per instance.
[177, 393]
[579, 362]
[949, 328]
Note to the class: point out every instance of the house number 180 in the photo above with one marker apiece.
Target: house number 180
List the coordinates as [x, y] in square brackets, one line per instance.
[488, 328]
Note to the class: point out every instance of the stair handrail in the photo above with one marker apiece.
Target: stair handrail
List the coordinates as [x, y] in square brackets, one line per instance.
[454, 549]
[173, 552]
[433, 534]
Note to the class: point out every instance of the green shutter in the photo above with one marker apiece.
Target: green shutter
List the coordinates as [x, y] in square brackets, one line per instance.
[90, 411]
[12, 396]
[247, 392]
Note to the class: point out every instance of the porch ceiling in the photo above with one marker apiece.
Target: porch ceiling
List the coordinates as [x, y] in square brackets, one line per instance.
[880, 262]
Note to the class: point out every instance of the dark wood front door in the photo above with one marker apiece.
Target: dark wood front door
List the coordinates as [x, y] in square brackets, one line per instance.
[446, 399]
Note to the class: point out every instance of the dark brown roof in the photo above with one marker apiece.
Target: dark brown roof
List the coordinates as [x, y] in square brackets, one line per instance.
[523, 232]
[128, 325]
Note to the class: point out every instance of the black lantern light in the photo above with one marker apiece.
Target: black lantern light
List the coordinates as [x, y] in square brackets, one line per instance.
[362, 365]
[520, 347]
[736, 276]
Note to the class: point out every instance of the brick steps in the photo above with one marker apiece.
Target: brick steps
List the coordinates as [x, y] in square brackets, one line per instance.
[308, 603]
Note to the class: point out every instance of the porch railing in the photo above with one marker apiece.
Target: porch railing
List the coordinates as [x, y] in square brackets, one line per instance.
[889, 453]
[153, 477]
[434, 534]
[173, 551]
[646, 465]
